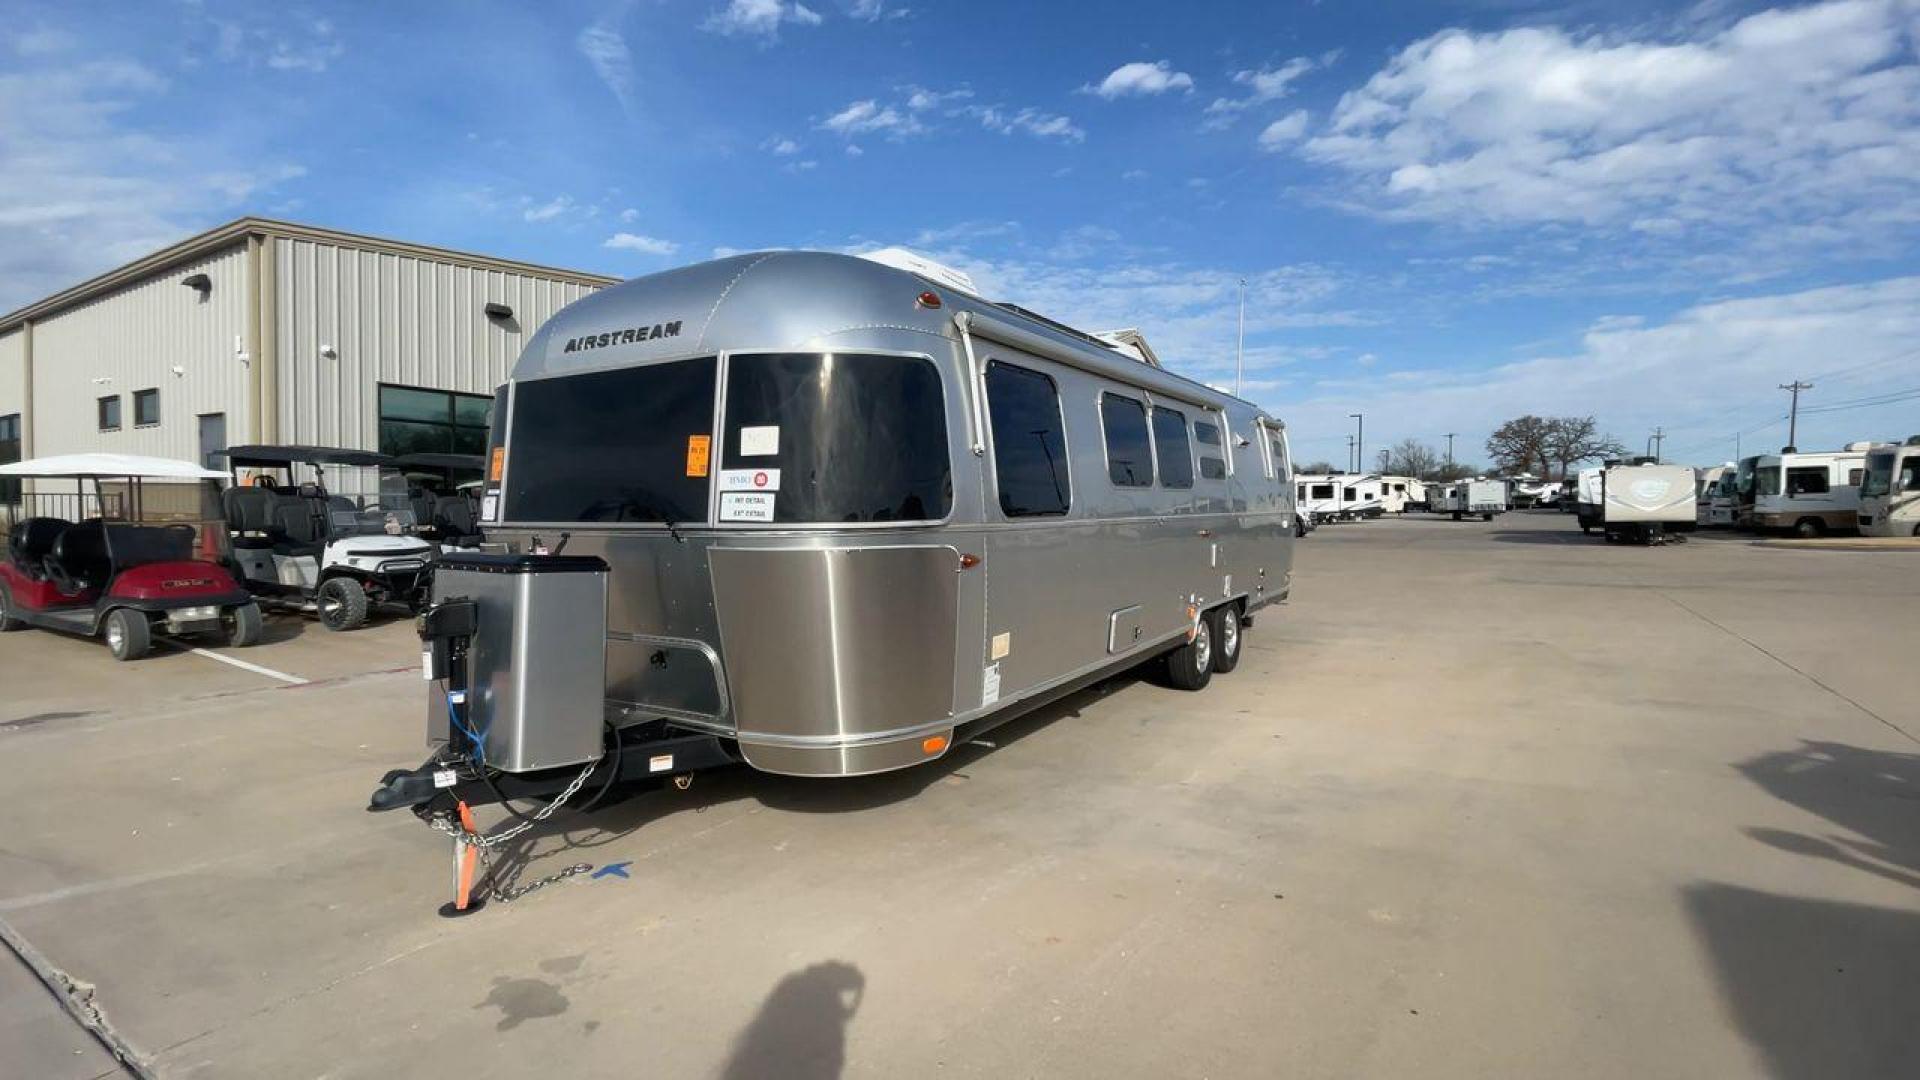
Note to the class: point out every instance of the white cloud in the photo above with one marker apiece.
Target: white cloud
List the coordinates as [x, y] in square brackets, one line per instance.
[549, 210]
[645, 245]
[724, 252]
[759, 18]
[1141, 79]
[606, 51]
[1794, 118]
[920, 99]
[1702, 374]
[1263, 85]
[1041, 125]
[863, 117]
[875, 11]
[629, 216]
[853, 150]
[281, 39]
[1284, 131]
[43, 41]
[779, 146]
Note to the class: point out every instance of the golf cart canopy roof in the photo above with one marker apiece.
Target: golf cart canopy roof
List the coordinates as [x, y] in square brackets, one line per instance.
[111, 466]
[241, 457]
[468, 462]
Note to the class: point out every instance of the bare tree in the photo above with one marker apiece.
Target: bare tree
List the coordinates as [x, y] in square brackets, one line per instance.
[1315, 467]
[1411, 457]
[1520, 444]
[1574, 439]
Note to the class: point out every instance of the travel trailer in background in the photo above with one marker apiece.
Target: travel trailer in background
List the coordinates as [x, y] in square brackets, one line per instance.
[827, 518]
[1810, 494]
[1890, 490]
[1645, 502]
[1338, 496]
[1722, 497]
[1484, 498]
[1705, 482]
[1398, 494]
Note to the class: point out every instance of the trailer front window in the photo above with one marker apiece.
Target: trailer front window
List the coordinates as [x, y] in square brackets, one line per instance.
[1766, 481]
[815, 438]
[612, 446]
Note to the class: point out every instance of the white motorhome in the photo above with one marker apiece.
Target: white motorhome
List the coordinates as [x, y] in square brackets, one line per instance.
[1645, 501]
[1706, 482]
[1890, 491]
[1810, 494]
[1723, 497]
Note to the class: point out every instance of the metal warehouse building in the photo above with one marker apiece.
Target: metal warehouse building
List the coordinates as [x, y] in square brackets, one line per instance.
[265, 331]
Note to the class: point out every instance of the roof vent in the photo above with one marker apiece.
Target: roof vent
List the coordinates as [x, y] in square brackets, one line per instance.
[199, 283]
[497, 312]
[914, 263]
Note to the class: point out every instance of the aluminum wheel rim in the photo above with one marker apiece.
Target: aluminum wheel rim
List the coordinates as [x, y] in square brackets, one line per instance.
[1203, 647]
[115, 636]
[1229, 634]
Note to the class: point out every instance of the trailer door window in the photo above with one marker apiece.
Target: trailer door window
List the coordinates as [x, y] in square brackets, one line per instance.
[1176, 452]
[1129, 453]
[611, 446]
[1029, 443]
[840, 437]
[1277, 447]
[1807, 480]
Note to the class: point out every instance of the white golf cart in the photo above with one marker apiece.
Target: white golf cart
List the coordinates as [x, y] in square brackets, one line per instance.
[328, 555]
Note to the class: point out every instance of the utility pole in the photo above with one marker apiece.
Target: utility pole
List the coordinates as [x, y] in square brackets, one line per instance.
[1449, 453]
[1653, 442]
[1385, 459]
[1349, 453]
[1240, 346]
[1359, 442]
[1793, 413]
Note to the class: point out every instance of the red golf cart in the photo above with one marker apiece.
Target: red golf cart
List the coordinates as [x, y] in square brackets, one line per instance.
[120, 559]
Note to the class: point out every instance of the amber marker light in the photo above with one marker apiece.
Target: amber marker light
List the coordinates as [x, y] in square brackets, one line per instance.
[933, 744]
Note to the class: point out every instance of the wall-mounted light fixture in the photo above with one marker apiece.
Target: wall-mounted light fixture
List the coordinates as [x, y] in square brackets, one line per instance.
[199, 283]
[102, 380]
[329, 352]
[179, 372]
[498, 312]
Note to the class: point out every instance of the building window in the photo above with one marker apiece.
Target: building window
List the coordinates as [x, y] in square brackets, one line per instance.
[416, 421]
[110, 413]
[1029, 442]
[9, 453]
[1129, 454]
[146, 408]
[1176, 453]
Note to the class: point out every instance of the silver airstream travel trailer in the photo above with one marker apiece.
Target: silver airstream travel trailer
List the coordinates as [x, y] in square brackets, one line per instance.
[827, 517]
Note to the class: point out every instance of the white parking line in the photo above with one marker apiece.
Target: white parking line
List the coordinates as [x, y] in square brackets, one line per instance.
[241, 664]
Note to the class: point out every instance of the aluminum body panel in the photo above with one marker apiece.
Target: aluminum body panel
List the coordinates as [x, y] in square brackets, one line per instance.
[1647, 494]
[536, 664]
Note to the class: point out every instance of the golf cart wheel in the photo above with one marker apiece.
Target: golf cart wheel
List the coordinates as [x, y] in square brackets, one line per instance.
[1226, 637]
[343, 604]
[1809, 529]
[128, 634]
[243, 625]
[1190, 667]
[7, 622]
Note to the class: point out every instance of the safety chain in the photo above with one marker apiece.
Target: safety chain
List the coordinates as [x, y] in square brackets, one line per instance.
[484, 844]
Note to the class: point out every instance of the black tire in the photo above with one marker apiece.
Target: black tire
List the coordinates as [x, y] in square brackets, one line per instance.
[1456, 515]
[1190, 667]
[243, 625]
[1228, 637]
[343, 604]
[1486, 517]
[129, 635]
[8, 623]
[1809, 528]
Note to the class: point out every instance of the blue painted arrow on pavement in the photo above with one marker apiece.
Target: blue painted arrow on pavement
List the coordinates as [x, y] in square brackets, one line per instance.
[618, 870]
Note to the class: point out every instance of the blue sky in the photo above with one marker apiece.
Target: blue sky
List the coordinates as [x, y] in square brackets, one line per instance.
[1447, 213]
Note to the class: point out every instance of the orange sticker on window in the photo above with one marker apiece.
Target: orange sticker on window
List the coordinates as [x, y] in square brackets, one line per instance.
[699, 450]
[497, 464]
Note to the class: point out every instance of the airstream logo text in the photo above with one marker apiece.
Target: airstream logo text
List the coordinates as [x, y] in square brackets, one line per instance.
[624, 337]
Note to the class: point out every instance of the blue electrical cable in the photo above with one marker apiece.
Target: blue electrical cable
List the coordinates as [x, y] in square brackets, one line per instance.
[478, 739]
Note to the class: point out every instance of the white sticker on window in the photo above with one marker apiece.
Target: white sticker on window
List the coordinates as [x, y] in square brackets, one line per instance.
[490, 508]
[749, 479]
[760, 441]
[990, 685]
[746, 506]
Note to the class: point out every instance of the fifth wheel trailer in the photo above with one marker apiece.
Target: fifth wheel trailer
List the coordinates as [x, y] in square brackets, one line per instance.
[828, 517]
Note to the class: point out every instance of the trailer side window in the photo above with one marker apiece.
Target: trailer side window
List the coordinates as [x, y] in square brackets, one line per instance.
[1277, 447]
[1323, 491]
[1807, 480]
[1129, 454]
[1029, 443]
[611, 445]
[837, 437]
[1853, 477]
[1176, 452]
[1910, 474]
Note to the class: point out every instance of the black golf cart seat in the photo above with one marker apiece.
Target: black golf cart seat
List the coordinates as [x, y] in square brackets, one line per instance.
[30, 541]
[249, 513]
[85, 556]
[299, 526]
[453, 516]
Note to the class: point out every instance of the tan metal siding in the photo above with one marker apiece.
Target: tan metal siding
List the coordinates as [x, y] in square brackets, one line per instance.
[396, 319]
[134, 337]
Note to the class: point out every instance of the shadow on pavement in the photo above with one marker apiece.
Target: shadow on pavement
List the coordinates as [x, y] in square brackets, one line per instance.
[800, 1032]
[1873, 794]
[1822, 989]
[1572, 535]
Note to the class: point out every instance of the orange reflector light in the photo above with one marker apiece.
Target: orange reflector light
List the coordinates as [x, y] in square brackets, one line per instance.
[933, 744]
[968, 562]
[928, 299]
[497, 464]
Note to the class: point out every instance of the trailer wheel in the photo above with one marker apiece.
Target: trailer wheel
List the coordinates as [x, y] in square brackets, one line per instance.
[243, 625]
[128, 634]
[1226, 637]
[1486, 517]
[1190, 667]
[343, 604]
[1456, 515]
[1809, 528]
[8, 623]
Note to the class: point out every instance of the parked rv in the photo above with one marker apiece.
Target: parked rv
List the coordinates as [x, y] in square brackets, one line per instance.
[1890, 491]
[1741, 505]
[1705, 482]
[1399, 494]
[829, 517]
[1482, 497]
[1646, 502]
[1338, 496]
[1810, 494]
[1588, 498]
[1721, 496]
